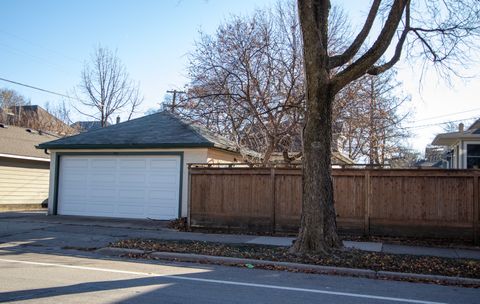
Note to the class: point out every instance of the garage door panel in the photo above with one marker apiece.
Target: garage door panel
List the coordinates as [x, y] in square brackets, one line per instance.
[161, 179]
[132, 195]
[102, 178]
[135, 178]
[131, 211]
[77, 195]
[103, 163]
[74, 177]
[157, 211]
[119, 186]
[161, 196]
[76, 163]
[102, 193]
[163, 164]
[132, 164]
[74, 207]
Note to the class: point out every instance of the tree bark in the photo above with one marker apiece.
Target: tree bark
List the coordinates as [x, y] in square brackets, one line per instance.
[318, 231]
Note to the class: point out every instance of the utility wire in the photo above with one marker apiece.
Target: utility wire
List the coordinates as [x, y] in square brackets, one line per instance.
[39, 46]
[446, 115]
[411, 127]
[35, 58]
[440, 123]
[39, 89]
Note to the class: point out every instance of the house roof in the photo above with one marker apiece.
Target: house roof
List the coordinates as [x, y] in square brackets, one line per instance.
[429, 164]
[338, 158]
[88, 125]
[449, 139]
[34, 116]
[16, 142]
[475, 126]
[159, 130]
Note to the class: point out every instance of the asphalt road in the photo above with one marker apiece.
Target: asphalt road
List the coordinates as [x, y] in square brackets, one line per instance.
[61, 278]
[37, 265]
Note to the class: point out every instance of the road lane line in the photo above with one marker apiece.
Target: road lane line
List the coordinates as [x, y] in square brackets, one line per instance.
[151, 274]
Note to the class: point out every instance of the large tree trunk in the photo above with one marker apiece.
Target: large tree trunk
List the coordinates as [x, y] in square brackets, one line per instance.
[318, 232]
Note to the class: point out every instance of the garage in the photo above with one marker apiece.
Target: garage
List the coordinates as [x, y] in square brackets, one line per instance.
[123, 186]
[134, 169]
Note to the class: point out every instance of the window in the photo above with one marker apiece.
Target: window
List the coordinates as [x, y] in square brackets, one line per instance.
[473, 156]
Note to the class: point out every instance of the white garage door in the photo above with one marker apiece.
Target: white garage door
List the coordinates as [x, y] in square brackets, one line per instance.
[119, 186]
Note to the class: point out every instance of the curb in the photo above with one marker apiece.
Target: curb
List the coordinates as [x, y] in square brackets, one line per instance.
[365, 273]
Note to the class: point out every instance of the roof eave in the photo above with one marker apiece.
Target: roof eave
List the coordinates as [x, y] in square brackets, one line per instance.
[35, 158]
[445, 140]
[125, 146]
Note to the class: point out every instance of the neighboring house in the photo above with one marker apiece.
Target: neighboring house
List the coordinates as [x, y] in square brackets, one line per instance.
[425, 164]
[84, 126]
[135, 169]
[338, 159]
[24, 170]
[435, 158]
[463, 147]
[35, 117]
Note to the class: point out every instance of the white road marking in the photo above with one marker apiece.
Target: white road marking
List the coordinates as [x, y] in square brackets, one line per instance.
[150, 274]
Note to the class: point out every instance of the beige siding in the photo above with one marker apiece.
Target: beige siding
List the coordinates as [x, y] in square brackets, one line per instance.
[23, 182]
[220, 156]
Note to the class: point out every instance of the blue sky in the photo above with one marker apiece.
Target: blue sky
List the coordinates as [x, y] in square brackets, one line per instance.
[44, 43]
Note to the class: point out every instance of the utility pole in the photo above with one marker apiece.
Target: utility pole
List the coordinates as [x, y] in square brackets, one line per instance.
[173, 104]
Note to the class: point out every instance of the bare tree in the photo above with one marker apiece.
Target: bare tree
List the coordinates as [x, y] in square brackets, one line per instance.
[371, 112]
[440, 31]
[106, 87]
[247, 81]
[9, 98]
[62, 122]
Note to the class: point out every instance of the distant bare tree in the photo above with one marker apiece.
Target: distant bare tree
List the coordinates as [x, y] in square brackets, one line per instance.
[247, 81]
[106, 87]
[10, 98]
[371, 112]
[62, 123]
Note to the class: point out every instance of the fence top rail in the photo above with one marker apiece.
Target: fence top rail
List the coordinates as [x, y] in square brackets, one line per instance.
[336, 168]
[204, 169]
[242, 166]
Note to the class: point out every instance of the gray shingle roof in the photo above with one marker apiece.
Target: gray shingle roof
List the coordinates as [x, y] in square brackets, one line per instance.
[87, 125]
[18, 141]
[159, 130]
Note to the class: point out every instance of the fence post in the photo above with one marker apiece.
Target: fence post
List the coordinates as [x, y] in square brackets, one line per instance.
[274, 200]
[367, 192]
[476, 209]
[189, 198]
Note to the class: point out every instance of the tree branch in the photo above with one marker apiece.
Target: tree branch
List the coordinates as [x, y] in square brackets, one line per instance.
[360, 67]
[375, 70]
[349, 53]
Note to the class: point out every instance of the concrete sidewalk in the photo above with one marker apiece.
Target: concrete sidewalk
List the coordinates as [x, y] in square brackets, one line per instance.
[381, 247]
[98, 232]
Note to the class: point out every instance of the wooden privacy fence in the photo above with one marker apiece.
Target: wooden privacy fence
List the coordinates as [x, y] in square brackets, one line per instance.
[396, 202]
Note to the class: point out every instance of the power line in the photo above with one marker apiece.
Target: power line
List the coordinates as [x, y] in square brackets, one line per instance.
[175, 92]
[22, 54]
[39, 89]
[39, 46]
[446, 115]
[440, 123]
